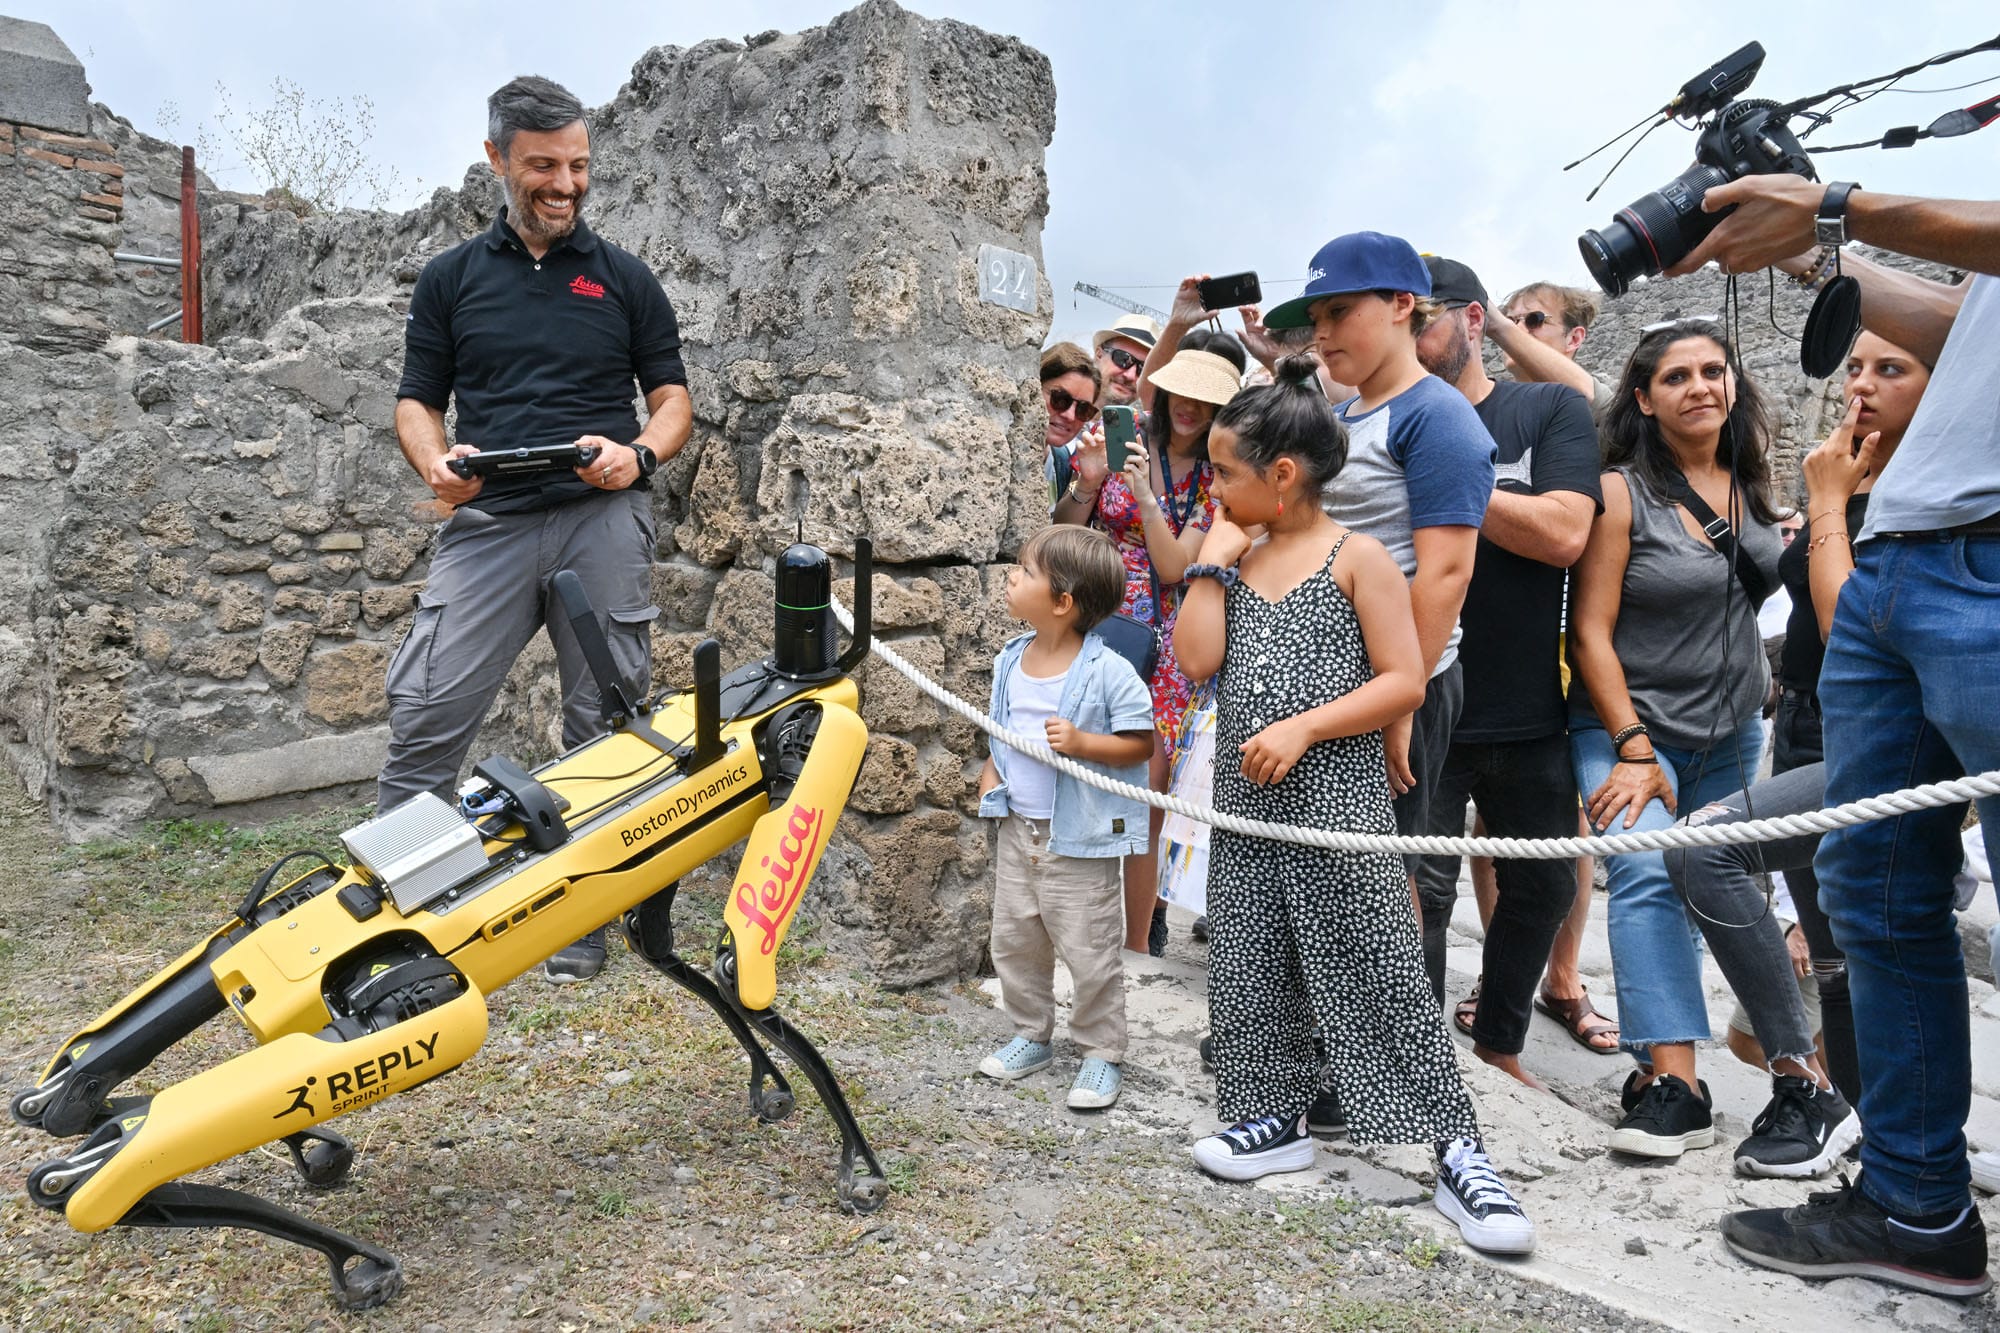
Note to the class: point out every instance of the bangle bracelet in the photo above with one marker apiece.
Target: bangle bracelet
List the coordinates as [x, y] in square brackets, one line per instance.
[1078, 496]
[1840, 514]
[1652, 759]
[1818, 542]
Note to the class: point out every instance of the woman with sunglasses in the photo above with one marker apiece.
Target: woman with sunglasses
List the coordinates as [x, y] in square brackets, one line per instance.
[1158, 510]
[1665, 709]
[1071, 382]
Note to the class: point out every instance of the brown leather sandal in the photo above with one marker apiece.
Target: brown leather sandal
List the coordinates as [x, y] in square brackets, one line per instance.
[1467, 1009]
[1577, 1016]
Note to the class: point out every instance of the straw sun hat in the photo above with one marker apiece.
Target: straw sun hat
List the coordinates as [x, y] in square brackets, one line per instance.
[1202, 376]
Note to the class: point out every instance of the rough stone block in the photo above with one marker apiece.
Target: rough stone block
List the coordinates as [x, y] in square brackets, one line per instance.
[888, 783]
[302, 765]
[344, 685]
[281, 650]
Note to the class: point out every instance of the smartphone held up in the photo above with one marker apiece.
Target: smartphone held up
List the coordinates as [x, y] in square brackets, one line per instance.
[1226, 293]
[1120, 434]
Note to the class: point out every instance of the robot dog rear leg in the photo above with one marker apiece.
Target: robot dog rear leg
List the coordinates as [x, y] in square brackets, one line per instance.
[649, 929]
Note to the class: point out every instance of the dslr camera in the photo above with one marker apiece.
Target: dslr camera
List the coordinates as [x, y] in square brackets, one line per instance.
[1740, 138]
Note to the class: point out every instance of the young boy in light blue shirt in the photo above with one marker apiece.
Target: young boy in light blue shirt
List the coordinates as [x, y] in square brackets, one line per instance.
[1058, 881]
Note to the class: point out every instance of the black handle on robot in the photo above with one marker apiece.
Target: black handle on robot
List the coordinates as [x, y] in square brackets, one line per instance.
[612, 704]
[864, 604]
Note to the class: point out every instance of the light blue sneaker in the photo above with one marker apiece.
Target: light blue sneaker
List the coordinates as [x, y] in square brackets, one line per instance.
[1096, 1085]
[1018, 1059]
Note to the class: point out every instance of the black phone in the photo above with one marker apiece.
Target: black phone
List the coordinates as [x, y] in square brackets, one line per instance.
[1227, 293]
[1120, 433]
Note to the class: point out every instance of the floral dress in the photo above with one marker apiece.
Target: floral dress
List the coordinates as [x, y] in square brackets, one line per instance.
[1118, 516]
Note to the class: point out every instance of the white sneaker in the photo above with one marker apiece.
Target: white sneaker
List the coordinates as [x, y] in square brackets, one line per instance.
[1256, 1147]
[1471, 1194]
[1096, 1085]
[1985, 1170]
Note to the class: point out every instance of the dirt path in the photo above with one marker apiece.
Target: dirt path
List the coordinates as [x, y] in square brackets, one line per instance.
[596, 1167]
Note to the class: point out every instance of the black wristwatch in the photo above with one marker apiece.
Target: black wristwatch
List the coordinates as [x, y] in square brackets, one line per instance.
[1830, 227]
[649, 461]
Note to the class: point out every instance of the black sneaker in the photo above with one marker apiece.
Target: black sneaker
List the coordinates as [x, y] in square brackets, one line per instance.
[1471, 1194]
[1200, 929]
[1324, 1116]
[1156, 933]
[1629, 1095]
[1800, 1133]
[580, 961]
[1207, 1048]
[1844, 1233]
[1256, 1147]
[1666, 1120]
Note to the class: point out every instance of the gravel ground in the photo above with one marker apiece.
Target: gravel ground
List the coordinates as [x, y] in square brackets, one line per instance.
[596, 1166]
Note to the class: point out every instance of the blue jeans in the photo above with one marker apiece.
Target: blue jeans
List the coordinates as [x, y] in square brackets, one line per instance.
[1910, 693]
[1655, 948]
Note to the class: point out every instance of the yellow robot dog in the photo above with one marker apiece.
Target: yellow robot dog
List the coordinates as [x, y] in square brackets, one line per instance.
[363, 980]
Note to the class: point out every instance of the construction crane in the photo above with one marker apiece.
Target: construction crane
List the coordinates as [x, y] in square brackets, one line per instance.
[1092, 290]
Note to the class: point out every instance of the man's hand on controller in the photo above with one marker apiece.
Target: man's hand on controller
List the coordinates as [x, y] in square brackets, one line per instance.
[615, 467]
[447, 485]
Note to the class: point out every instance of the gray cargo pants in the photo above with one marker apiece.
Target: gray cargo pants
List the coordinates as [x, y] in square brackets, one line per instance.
[489, 591]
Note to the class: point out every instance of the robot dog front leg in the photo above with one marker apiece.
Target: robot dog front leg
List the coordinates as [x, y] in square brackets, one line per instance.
[122, 1173]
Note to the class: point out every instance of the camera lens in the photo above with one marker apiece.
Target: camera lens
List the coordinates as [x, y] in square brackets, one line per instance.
[1653, 232]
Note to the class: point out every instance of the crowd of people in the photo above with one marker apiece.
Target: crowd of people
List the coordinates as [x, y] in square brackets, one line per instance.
[1413, 592]
[1400, 587]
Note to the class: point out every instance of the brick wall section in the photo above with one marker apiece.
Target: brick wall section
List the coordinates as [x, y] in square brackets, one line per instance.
[100, 183]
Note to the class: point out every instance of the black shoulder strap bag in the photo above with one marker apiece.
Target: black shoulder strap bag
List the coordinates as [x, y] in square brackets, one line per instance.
[1724, 537]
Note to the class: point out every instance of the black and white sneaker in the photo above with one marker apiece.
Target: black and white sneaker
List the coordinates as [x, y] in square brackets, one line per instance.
[580, 961]
[1324, 1117]
[1844, 1233]
[1256, 1147]
[1800, 1133]
[1665, 1121]
[1471, 1193]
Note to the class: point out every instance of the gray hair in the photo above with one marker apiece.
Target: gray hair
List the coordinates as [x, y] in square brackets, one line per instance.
[530, 102]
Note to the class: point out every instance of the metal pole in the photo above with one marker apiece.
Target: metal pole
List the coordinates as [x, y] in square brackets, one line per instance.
[162, 322]
[157, 261]
[190, 253]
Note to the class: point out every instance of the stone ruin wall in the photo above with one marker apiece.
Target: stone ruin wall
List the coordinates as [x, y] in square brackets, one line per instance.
[212, 551]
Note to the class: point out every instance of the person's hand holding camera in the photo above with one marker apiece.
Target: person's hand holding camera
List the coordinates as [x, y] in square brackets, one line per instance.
[447, 485]
[1088, 461]
[1138, 475]
[1188, 309]
[1773, 221]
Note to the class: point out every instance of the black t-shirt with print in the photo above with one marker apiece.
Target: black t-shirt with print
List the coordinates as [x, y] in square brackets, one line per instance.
[1513, 612]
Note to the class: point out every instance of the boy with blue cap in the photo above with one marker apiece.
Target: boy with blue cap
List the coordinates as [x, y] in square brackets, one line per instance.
[1418, 475]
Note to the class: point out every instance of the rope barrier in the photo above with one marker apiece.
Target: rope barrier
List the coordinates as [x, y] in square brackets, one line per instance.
[1929, 796]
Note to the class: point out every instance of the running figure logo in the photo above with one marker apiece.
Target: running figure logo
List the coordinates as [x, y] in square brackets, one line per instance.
[299, 1102]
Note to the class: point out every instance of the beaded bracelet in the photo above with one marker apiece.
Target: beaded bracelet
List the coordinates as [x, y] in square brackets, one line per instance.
[1636, 729]
[1818, 271]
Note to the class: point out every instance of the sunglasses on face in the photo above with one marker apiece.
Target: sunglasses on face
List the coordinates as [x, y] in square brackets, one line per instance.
[1534, 319]
[1123, 359]
[1695, 321]
[1061, 404]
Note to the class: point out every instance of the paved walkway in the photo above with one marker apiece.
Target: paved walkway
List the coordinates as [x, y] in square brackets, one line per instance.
[1640, 1237]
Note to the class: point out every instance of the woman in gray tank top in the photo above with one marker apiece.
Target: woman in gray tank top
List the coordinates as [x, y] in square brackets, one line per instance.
[1670, 677]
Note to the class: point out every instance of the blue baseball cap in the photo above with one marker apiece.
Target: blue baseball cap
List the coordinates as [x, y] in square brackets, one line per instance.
[1361, 261]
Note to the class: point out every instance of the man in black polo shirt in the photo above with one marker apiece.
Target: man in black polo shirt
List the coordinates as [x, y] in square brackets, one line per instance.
[1509, 751]
[539, 329]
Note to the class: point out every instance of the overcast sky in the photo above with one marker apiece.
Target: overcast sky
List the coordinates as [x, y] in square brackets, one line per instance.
[1210, 136]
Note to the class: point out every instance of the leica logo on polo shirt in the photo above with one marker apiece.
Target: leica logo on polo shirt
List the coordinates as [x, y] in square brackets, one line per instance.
[583, 286]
